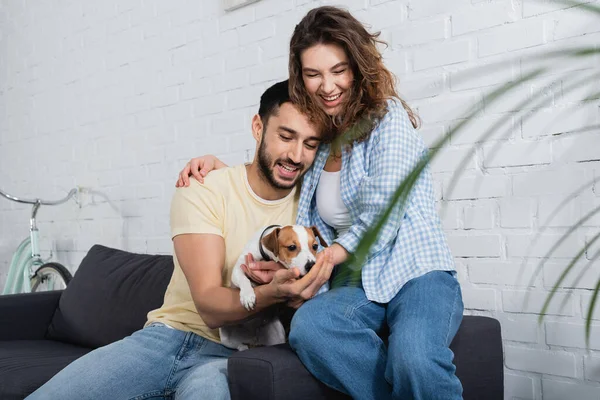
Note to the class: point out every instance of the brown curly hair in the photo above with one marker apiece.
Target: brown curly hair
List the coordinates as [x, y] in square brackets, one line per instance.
[373, 83]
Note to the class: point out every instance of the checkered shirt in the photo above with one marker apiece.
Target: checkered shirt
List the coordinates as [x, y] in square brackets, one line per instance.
[412, 242]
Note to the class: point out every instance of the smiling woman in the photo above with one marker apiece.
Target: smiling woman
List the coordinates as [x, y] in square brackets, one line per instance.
[336, 56]
[408, 282]
[327, 76]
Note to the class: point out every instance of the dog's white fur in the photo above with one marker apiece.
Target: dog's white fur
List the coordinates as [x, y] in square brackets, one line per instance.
[261, 330]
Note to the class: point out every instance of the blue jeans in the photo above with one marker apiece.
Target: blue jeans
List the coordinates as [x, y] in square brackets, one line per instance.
[337, 335]
[156, 362]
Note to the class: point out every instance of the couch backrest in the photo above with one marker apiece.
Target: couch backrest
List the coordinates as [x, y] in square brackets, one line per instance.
[110, 296]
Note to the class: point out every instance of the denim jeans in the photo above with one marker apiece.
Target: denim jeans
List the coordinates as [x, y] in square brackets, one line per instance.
[156, 362]
[337, 335]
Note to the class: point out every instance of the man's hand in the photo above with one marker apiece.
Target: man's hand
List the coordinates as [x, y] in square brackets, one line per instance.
[198, 167]
[261, 272]
[286, 285]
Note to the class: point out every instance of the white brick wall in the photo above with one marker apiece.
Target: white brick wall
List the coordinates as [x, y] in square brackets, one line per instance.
[117, 95]
[541, 361]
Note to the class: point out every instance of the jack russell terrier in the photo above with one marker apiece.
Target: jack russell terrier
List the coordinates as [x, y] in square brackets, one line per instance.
[291, 246]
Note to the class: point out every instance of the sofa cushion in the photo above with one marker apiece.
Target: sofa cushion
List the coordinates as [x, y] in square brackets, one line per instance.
[26, 365]
[275, 372]
[110, 296]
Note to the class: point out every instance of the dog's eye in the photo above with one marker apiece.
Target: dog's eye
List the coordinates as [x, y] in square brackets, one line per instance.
[315, 246]
[292, 247]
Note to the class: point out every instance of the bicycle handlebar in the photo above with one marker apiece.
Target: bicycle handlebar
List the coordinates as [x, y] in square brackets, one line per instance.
[71, 194]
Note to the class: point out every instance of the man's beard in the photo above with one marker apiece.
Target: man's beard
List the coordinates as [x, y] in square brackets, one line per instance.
[265, 166]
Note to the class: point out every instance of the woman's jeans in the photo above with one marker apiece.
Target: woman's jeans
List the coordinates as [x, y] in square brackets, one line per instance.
[336, 335]
[156, 362]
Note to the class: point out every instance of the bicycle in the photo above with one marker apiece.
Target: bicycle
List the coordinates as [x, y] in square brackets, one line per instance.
[28, 272]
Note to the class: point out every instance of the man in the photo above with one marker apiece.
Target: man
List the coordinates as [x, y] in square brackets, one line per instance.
[178, 353]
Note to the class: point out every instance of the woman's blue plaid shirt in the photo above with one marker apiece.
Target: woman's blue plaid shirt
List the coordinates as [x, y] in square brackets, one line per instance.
[412, 242]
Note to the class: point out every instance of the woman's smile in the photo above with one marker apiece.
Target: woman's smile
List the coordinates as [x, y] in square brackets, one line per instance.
[331, 101]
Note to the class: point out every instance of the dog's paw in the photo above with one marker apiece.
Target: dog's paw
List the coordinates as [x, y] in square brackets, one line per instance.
[248, 299]
[242, 347]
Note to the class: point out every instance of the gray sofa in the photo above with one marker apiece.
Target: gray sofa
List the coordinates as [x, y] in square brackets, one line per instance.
[109, 298]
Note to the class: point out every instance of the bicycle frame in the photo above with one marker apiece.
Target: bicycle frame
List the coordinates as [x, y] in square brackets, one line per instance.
[19, 280]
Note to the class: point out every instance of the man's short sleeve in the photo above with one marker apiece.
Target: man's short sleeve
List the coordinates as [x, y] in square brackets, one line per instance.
[197, 209]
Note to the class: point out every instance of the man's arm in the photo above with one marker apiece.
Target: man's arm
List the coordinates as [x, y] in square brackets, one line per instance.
[202, 257]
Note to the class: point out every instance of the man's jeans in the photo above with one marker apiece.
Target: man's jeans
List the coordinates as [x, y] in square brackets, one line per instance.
[156, 362]
[336, 335]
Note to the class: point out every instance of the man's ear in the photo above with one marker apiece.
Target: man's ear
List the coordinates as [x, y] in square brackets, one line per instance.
[270, 241]
[318, 235]
[257, 127]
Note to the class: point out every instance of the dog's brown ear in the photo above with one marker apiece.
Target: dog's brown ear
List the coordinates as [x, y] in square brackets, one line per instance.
[318, 235]
[270, 241]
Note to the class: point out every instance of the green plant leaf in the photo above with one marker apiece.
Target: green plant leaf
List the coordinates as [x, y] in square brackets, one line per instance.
[590, 314]
[546, 256]
[403, 190]
[588, 264]
[553, 213]
[584, 6]
[583, 270]
[593, 96]
[564, 274]
[562, 239]
[350, 272]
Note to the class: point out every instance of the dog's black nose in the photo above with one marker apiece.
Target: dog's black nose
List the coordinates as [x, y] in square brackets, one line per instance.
[309, 265]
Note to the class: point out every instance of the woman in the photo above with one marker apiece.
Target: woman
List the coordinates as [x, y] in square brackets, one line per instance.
[408, 294]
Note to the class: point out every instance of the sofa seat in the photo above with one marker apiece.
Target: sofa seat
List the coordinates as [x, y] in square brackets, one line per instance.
[27, 364]
[109, 299]
[272, 373]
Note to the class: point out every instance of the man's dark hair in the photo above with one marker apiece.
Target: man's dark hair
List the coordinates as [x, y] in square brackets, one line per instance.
[272, 99]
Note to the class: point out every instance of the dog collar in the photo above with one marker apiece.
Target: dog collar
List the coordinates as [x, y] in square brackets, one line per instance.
[263, 254]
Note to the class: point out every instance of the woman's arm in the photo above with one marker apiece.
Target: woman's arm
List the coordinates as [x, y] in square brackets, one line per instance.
[338, 254]
[396, 150]
[198, 167]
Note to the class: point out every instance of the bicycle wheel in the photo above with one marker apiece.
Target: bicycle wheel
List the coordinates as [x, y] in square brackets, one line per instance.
[50, 276]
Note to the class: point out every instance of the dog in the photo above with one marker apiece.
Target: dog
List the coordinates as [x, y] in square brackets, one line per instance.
[291, 246]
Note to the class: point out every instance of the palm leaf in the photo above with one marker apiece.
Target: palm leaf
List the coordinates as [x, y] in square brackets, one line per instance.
[403, 190]
[350, 272]
[583, 270]
[588, 264]
[593, 96]
[564, 274]
[356, 261]
[553, 214]
[492, 130]
[590, 313]
[584, 6]
[560, 241]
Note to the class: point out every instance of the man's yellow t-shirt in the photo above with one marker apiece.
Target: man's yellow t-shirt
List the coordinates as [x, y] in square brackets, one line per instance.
[224, 205]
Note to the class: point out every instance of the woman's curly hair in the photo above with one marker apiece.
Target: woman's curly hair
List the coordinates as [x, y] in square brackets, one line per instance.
[373, 83]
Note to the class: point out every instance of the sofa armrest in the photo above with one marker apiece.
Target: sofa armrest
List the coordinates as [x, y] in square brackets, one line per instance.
[479, 358]
[274, 372]
[26, 316]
